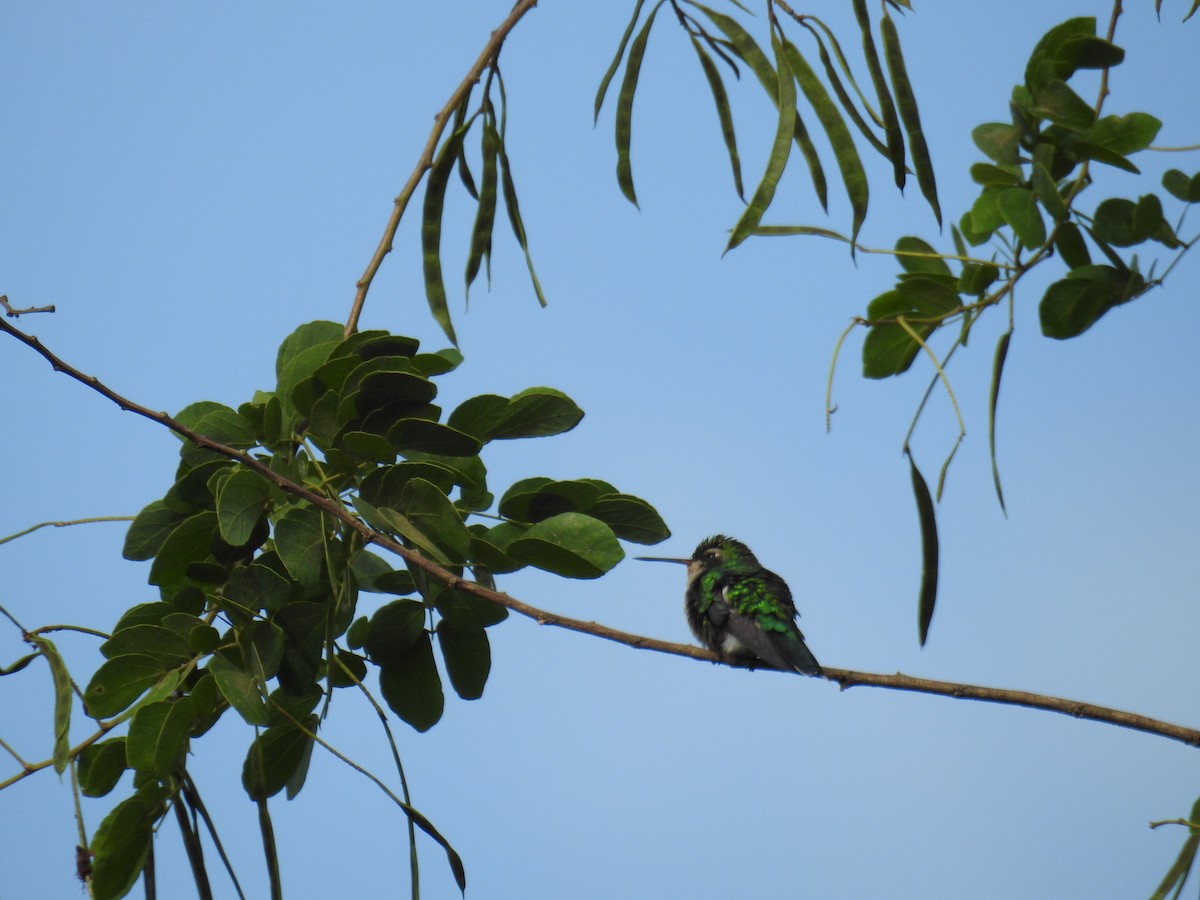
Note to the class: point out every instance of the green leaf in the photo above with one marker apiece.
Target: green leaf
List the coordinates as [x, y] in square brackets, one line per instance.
[630, 518]
[906, 102]
[1123, 134]
[1048, 61]
[998, 142]
[624, 127]
[1018, 207]
[432, 437]
[929, 262]
[148, 531]
[121, 845]
[218, 422]
[468, 658]
[393, 630]
[888, 349]
[1063, 106]
[304, 625]
[537, 412]
[462, 610]
[300, 542]
[1086, 51]
[616, 63]
[431, 231]
[274, 757]
[1047, 192]
[480, 416]
[241, 503]
[1071, 247]
[929, 551]
[144, 639]
[412, 688]
[303, 338]
[158, 736]
[490, 547]
[989, 175]
[1071, 306]
[118, 682]
[101, 766]
[431, 512]
[189, 542]
[571, 544]
[240, 690]
[724, 115]
[780, 149]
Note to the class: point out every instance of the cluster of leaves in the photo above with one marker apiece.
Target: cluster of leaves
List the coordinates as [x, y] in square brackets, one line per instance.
[727, 40]
[259, 587]
[1040, 163]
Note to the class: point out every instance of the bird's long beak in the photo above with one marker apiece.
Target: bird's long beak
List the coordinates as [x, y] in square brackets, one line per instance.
[663, 559]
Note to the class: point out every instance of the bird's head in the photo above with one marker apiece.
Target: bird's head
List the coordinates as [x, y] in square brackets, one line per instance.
[716, 552]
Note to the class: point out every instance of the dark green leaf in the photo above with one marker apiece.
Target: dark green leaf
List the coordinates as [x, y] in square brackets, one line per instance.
[240, 690]
[1063, 106]
[571, 544]
[888, 349]
[514, 218]
[537, 412]
[101, 766]
[274, 757]
[412, 688]
[1048, 61]
[1084, 150]
[306, 336]
[164, 644]
[1088, 52]
[120, 681]
[242, 501]
[218, 422]
[394, 628]
[1018, 208]
[630, 518]
[480, 416]
[928, 260]
[1124, 134]
[1047, 193]
[120, 846]
[929, 551]
[462, 610]
[1071, 306]
[300, 542]
[432, 437]
[148, 531]
[432, 513]
[304, 626]
[989, 175]
[1071, 247]
[468, 658]
[158, 736]
[189, 542]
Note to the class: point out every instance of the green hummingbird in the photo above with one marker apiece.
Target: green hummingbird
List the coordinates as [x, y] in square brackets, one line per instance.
[740, 609]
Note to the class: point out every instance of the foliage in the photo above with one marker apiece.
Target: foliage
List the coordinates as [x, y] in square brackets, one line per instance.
[260, 578]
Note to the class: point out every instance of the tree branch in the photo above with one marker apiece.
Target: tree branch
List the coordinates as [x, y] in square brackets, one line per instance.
[490, 51]
[845, 678]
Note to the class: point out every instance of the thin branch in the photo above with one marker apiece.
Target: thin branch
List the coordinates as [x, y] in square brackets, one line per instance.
[64, 524]
[487, 57]
[17, 313]
[844, 677]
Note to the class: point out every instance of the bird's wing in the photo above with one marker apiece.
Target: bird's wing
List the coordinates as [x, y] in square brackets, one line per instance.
[782, 649]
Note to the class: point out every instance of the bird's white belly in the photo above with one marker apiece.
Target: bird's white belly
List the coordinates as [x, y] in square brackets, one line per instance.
[731, 646]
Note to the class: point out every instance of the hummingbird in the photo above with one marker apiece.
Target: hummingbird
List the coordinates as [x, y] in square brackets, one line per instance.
[740, 609]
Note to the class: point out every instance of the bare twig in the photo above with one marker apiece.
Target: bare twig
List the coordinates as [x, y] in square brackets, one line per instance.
[487, 57]
[843, 677]
[17, 313]
[64, 524]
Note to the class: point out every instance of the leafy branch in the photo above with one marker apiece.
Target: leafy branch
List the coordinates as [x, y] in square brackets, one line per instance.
[843, 677]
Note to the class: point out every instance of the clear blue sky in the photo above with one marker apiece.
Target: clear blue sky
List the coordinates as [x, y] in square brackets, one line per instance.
[189, 183]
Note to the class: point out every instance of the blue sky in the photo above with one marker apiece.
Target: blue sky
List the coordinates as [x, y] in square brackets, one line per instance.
[188, 184]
